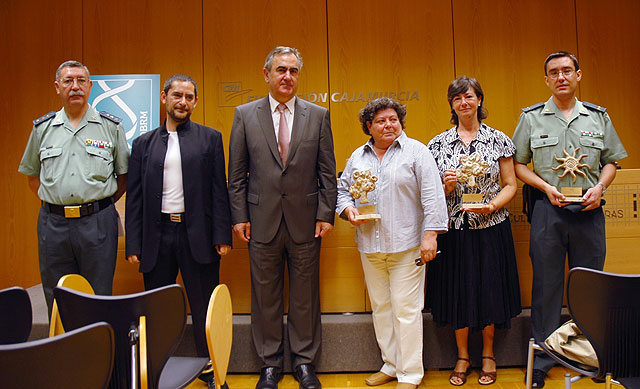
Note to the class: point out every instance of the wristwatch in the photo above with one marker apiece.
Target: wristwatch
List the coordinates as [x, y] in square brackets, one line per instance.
[604, 188]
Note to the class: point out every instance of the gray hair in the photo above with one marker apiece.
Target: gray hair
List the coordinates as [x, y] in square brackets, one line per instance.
[280, 50]
[179, 77]
[71, 64]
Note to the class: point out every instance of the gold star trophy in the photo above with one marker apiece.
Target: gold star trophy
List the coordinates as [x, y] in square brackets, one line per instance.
[571, 165]
[471, 166]
[363, 183]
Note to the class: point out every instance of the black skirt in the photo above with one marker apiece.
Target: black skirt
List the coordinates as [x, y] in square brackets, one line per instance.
[474, 282]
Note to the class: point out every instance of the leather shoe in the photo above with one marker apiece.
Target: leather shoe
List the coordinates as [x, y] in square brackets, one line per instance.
[269, 377]
[537, 378]
[306, 377]
[378, 378]
[212, 384]
[211, 381]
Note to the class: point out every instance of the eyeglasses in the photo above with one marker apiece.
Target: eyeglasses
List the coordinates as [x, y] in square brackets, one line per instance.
[554, 73]
[68, 81]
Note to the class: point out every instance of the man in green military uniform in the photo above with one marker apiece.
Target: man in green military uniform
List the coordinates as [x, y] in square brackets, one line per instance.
[76, 161]
[573, 145]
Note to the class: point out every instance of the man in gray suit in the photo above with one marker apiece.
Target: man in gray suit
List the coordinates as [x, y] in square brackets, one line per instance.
[282, 189]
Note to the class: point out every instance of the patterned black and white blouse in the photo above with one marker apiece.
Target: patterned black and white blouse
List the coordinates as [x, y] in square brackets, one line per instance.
[491, 145]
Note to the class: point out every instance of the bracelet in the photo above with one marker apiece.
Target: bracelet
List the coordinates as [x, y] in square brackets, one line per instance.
[604, 188]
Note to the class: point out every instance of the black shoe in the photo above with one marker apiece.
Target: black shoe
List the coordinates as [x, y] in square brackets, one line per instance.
[211, 381]
[269, 377]
[537, 378]
[306, 377]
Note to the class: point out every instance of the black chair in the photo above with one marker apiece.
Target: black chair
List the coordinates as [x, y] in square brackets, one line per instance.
[79, 359]
[163, 315]
[606, 308]
[15, 315]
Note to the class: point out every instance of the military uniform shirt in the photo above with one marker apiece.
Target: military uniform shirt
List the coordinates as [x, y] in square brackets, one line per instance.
[76, 166]
[543, 132]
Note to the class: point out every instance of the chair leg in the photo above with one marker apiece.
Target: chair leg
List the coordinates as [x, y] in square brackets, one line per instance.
[567, 381]
[133, 341]
[529, 376]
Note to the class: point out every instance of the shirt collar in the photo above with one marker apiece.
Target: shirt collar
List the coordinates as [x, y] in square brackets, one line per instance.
[181, 128]
[90, 116]
[451, 136]
[400, 141]
[551, 108]
[274, 104]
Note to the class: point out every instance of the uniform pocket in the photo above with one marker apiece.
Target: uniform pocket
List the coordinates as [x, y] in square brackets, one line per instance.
[49, 163]
[100, 165]
[592, 147]
[543, 151]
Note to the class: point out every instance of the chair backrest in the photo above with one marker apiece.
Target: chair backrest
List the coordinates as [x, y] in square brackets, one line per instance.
[166, 315]
[15, 315]
[606, 307]
[72, 281]
[219, 330]
[79, 359]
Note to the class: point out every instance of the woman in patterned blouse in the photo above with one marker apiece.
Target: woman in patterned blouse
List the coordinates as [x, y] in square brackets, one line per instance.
[475, 283]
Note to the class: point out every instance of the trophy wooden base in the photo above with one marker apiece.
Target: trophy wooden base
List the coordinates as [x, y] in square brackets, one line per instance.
[367, 212]
[571, 194]
[572, 200]
[369, 216]
[472, 200]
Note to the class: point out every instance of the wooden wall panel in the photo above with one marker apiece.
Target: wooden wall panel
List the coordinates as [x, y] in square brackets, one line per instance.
[132, 37]
[504, 44]
[376, 47]
[609, 53]
[37, 36]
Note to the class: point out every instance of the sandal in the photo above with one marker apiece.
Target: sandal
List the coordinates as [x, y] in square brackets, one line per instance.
[491, 375]
[462, 375]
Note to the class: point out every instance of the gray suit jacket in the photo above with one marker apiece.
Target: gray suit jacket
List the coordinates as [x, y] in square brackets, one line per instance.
[262, 191]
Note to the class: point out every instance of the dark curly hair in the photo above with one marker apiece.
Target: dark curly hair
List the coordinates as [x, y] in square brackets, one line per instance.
[461, 85]
[374, 106]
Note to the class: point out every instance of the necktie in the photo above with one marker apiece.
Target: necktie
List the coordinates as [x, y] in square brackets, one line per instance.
[283, 134]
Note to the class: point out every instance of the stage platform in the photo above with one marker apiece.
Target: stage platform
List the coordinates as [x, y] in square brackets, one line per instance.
[348, 342]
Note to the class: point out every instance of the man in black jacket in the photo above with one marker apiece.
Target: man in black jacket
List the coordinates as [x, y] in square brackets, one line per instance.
[177, 215]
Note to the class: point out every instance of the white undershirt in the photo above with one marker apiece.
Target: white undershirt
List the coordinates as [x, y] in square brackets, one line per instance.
[172, 191]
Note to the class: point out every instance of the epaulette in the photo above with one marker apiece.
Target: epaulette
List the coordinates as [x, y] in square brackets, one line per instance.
[109, 116]
[532, 107]
[44, 118]
[594, 107]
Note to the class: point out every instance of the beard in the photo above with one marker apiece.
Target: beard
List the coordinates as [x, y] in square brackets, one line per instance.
[177, 119]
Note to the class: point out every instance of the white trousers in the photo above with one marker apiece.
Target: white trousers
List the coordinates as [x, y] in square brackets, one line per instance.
[396, 291]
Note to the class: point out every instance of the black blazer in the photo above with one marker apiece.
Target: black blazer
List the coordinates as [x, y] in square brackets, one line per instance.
[206, 200]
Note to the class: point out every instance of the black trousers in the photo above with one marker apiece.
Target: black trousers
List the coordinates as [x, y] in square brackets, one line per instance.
[87, 246]
[267, 306]
[555, 234]
[199, 279]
